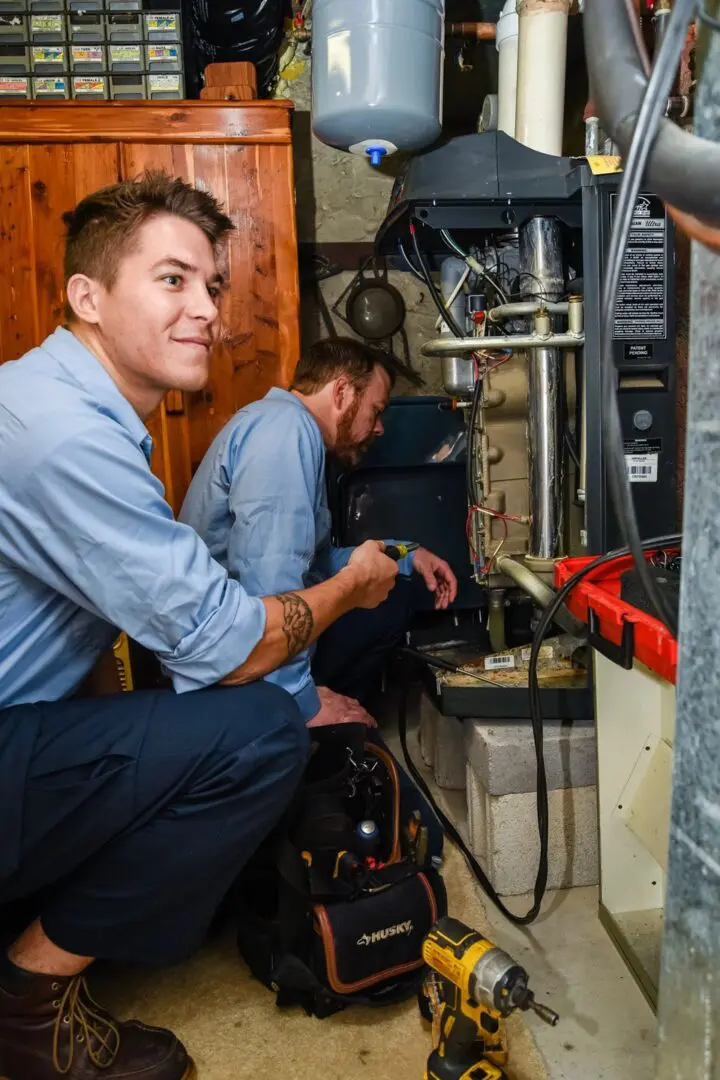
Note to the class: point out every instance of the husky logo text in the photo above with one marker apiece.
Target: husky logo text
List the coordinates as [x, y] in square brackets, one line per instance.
[389, 931]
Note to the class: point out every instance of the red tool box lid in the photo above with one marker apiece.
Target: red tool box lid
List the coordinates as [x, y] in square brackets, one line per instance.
[618, 630]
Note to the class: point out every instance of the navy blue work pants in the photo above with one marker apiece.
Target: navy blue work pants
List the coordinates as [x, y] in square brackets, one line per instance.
[137, 811]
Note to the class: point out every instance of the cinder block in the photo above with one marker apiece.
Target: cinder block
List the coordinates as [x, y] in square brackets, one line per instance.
[450, 758]
[502, 755]
[428, 730]
[504, 836]
[442, 745]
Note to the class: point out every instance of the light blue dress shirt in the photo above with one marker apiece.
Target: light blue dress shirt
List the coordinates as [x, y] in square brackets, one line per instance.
[88, 544]
[259, 502]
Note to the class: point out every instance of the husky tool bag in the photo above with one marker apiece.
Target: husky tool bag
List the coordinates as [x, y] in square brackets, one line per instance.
[334, 912]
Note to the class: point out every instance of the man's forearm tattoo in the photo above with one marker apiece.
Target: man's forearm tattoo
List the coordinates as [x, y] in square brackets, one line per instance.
[297, 622]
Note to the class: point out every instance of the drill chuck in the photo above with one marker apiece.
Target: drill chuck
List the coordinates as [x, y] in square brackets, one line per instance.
[498, 982]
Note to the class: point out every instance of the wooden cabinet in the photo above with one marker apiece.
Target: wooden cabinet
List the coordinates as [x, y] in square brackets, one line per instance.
[51, 155]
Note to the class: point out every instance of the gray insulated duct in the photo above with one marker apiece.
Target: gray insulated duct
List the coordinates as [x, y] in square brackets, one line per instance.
[683, 169]
[231, 31]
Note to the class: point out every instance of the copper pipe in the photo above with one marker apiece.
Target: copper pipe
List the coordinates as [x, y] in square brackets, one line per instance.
[481, 31]
[708, 235]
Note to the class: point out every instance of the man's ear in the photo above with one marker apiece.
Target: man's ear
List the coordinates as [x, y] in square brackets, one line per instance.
[83, 296]
[341, 392]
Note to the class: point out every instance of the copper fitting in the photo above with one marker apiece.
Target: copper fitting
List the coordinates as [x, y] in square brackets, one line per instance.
[481, 31]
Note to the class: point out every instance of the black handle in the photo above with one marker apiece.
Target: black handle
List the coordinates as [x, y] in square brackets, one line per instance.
[622, 654]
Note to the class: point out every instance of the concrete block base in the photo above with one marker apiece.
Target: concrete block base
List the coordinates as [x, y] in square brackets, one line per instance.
[442, 745]
[449, 763]
[428, 731]
[504, 836]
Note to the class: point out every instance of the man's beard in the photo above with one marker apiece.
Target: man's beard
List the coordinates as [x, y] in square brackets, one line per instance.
[346, 448]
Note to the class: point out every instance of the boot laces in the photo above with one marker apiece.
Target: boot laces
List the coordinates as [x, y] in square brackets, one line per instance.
[81, 1020]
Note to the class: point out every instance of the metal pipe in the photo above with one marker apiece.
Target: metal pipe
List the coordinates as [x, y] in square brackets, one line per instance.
[661, 14]
[539, 590]
[541, 74]
[496, 620]
[457, 370]
[582, 478]
[541, 270]
[511, 342]
[481, 31]
[575, 315]
[544, 439]
[592, 136]
[524, 307]
[506, 43]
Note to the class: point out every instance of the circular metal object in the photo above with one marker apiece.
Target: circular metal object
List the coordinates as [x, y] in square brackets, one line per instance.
[375, 309]
[643, 420]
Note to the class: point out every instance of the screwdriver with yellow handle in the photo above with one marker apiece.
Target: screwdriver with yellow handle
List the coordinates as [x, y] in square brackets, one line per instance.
[399, 551]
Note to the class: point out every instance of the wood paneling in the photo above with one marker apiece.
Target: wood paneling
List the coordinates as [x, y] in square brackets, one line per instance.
[262, 122]
[18, 323]
[53, 155]
[240, 73]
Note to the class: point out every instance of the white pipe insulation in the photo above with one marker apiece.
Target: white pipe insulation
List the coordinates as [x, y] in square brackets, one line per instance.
[542, 47]
[506, 42]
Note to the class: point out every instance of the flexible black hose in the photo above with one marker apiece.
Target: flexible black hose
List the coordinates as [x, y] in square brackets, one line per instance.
[648, 117]
[445, 312]
[450, 829]
[447, 316]
[544, 624]
[682, 168]
[406, 260]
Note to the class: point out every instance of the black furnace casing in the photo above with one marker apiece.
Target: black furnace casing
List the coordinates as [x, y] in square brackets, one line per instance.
[489, 183]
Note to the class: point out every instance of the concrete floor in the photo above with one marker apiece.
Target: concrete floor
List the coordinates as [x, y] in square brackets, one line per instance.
[233, 1029]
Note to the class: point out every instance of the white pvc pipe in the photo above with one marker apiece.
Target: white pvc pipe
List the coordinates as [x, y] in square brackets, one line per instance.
[541, 74]
[506, 42]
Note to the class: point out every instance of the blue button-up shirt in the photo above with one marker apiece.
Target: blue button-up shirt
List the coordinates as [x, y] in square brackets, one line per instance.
[88, 544]
[259, 502]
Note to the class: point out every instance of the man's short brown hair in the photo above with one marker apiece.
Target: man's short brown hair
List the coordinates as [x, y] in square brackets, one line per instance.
[332, 357]
[103, 227]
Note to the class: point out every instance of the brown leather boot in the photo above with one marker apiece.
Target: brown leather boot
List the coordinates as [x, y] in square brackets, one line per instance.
[50, 1027]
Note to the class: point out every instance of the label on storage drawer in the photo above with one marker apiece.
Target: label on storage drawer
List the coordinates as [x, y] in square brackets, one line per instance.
[48, 54]
[88, 84]
[166, 83]
[46, 24]
[11, 84]
[167, 54]
[167, 22]
[506, 662]
[50, 84]
[11, 20]
[87, 54]
[125, 54]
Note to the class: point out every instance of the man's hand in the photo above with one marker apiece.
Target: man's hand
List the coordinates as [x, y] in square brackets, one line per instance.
[338, 709]
[373, 572]
[438, 576]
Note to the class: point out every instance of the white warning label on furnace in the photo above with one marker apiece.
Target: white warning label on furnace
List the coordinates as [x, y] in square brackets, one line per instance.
[642, 468]
[640, 306]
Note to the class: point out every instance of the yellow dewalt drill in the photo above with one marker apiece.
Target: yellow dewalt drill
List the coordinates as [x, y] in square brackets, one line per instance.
[472, 987]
